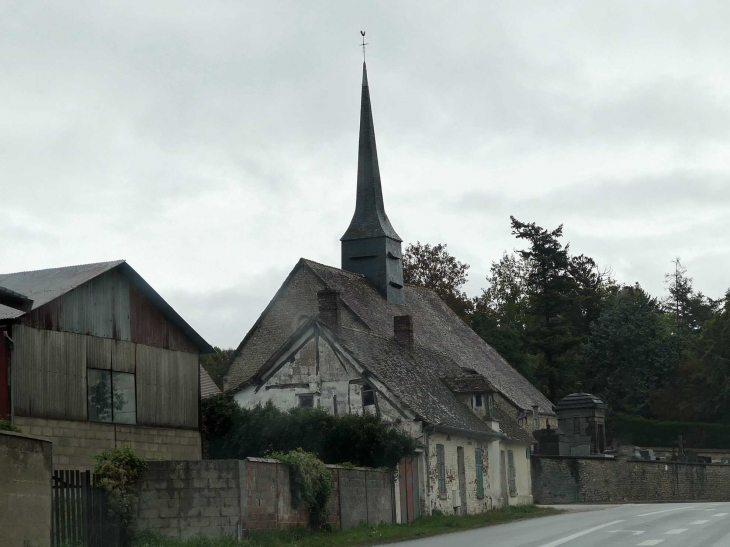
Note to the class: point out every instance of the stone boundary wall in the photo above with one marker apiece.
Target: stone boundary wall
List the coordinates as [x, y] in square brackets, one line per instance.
[565, 479]
[75, 442]
[232, 497]
[25, 490]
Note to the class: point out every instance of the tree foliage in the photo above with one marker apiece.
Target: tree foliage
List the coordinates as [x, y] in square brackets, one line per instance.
[434, 268]
[566, 324]
[233, 432]
[216, 363]
[311, 482]
[630, 351]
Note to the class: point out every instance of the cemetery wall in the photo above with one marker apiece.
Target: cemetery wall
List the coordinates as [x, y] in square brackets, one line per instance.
[567, 479]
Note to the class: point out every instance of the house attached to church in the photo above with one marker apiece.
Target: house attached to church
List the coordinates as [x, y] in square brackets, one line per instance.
[356, 340]
[92, 358]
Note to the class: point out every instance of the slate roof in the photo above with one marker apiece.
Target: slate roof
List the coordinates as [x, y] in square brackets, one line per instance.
[369, 219]
[410, 379]
[436, 328]
[510, 427]
[207, 385]
[43, 286]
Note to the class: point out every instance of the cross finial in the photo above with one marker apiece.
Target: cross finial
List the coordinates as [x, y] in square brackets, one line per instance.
[362, 32]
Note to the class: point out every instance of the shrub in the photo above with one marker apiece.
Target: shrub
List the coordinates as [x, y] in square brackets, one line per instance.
[364, 441]
[118, 470]
[311, 483]
[5, 425]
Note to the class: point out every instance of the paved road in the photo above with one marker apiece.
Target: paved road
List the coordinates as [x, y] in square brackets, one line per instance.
[665, 525]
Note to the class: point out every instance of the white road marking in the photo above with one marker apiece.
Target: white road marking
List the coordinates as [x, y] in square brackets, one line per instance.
[651, 542]
[676, 531]
[670, 510]
[579, 534]
[720, 515]
[699, 522]
[635, 532]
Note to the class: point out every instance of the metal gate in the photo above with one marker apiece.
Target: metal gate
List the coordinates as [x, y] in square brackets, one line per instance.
[80, 511]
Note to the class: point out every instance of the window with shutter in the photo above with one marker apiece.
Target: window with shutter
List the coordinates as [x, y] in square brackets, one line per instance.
[480, 472]
[511, 473]
[441, 468]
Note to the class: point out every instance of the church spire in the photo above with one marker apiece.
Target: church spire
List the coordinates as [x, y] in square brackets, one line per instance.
[370, 245]
[369, 219]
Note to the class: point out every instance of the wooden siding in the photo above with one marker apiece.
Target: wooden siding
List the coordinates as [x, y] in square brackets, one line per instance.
[109, 307]
[150, 327]
[50, 366]
[167, 387]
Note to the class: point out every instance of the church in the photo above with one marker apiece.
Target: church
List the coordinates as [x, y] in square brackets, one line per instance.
[356, 339]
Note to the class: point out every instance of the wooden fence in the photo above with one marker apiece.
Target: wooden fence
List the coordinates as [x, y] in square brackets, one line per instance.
[80, 512]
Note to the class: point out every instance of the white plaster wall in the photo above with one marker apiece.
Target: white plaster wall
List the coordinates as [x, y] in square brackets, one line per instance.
[316, 369]
[451, 443]
[522, 473]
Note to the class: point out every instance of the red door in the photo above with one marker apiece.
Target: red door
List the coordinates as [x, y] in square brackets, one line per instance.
[4, 387]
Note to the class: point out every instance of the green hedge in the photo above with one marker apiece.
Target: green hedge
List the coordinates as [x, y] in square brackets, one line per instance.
[643, 432]
[367, 441]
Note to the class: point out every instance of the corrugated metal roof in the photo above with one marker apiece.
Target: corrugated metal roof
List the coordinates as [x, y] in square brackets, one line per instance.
[43, 286]
[207, 385]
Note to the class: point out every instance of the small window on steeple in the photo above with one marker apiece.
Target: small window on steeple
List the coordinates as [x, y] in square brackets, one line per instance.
[478, 400]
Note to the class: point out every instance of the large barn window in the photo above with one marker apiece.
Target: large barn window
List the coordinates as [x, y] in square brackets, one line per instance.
[111, 397]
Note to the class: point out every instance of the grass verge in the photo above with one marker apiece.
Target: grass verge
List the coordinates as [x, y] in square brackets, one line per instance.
[359, 535]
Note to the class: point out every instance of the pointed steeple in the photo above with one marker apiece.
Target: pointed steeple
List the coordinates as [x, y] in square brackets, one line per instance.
[370, 245]
[369, 219]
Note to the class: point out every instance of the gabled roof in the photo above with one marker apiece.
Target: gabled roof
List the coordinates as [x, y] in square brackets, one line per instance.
[435, 327]
[406, 377]
[207, 385]
[43, 286]
[510, 427]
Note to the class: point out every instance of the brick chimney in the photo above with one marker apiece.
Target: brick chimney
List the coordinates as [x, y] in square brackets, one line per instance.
[403, 330]
[329, 307]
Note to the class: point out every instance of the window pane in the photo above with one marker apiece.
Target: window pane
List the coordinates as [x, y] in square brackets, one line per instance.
[125, 403]
[368, 396]
[306, 401]
[99, 391]
[478, 400]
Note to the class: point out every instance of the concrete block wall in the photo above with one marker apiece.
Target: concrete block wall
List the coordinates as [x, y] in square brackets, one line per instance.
[75, 443]
[25, 491]
[232, 497]
[565, 479]
[189, 498]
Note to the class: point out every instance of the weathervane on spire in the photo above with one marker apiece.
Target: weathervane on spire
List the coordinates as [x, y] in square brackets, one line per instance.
[362, 32]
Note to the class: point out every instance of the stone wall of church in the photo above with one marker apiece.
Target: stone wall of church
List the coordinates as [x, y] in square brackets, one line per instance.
[297, 302]
[315, 371]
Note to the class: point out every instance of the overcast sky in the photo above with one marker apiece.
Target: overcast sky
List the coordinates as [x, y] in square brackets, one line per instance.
[212, 144]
